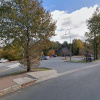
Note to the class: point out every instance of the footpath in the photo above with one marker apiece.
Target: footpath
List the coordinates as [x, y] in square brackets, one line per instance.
[15, 82]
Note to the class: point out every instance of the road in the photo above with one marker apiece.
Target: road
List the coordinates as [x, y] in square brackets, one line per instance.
[53, 63]
[9, 67]
[62, 65]
[83, 84]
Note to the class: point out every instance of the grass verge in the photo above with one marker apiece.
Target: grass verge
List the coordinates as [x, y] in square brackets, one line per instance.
[83, 61]
[40, 69]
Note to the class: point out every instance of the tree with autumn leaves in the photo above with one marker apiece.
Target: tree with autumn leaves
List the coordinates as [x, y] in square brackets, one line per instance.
[78, 47]
[12, 51]
[93, 36]
[51, 52]
[29, 24]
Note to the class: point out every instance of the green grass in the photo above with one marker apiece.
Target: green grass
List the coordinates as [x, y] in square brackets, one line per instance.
[83, 61]
[40, 69]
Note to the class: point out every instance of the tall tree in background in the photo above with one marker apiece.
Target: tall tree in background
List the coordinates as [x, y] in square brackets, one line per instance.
[51, 52]
[94, 30]
[29, 24]
[78, 47]
[94, 23]
[12, 51]
[65, 48]
[58, 48]
[52, 45]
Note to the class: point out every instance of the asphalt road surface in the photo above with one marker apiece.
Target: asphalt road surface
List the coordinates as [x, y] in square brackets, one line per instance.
[78, 85]
[63, 66]
[53, 63]
[83, 84]
[9, 67]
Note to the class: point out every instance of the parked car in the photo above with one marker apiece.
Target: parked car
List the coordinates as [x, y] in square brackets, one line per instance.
[3, 60]
[54, 55]
[45, 57]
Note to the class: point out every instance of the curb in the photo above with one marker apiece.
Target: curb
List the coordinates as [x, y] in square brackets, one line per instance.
[16, 87]
[9, 89]
[47, 78]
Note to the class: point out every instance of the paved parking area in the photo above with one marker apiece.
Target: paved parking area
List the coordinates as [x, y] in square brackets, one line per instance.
[61, 65]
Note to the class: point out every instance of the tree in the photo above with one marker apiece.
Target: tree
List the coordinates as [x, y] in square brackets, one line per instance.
[94, 30]
[30, 25]
[49, 47]
[78, 47]
[65, 44]
[65, 48]
[94, 23]
[90, 44]
[12, 51]
[65, 52]
[51, 52]
[1, 50]
[58, 48]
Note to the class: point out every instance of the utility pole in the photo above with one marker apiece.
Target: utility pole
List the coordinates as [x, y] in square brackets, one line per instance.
[70, 43]
[70, 47]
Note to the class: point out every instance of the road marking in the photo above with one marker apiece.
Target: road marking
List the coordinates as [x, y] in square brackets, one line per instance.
[75, 70]
[14, 65]
[64, 73]
[10, 67]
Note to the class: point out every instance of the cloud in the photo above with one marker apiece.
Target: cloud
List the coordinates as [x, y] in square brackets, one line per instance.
[75, 20]
[67, 22]
[72, 36]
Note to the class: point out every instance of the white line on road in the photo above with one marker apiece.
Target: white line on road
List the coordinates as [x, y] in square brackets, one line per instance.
[67, 72]
[14, 65]
[75, 70]
[10, 67]
[5, 70]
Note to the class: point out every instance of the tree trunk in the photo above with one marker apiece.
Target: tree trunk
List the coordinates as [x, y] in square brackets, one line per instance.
[27, 53]
[96, 51]
[28, 64]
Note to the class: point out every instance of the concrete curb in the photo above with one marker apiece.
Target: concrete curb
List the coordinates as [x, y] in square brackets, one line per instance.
[9, 89]
[51, 75]
[47, 78]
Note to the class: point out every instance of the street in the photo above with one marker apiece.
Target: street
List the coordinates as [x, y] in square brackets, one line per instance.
[9, 67]
[49, 50]
[82, 84]
[62, 65]
[53, 63]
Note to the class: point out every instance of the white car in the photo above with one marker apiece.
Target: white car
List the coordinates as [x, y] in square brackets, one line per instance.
[47, 57]
[3, 60]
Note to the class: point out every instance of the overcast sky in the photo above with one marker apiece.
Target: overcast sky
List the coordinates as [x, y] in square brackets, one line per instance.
[71, 14]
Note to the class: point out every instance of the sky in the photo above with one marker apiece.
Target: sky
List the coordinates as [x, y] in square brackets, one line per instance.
[70, 15]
